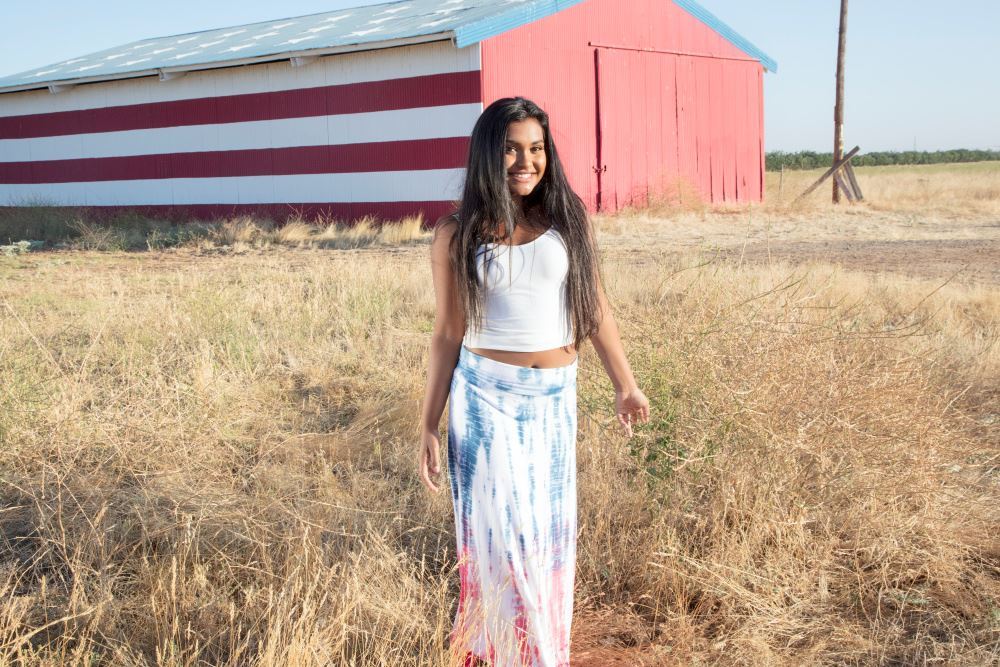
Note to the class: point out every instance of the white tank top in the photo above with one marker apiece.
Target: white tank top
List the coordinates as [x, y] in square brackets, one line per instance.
[524, 304]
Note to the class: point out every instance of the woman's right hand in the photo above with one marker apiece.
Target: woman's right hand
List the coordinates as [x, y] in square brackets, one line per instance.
[430, 462]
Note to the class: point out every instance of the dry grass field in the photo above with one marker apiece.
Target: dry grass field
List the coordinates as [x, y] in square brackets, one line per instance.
[207, 449]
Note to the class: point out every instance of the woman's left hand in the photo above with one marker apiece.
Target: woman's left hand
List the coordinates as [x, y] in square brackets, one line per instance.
[632, 407]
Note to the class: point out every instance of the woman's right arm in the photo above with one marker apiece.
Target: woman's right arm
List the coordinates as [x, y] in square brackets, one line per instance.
[446, 341]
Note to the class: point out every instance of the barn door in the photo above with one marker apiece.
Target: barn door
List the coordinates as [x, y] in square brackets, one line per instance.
[636, 126]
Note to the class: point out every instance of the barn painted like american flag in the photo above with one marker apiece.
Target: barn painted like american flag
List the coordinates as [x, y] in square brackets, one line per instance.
[368, 110]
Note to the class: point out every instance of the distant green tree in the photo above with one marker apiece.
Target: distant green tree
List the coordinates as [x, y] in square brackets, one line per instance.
[774, 160]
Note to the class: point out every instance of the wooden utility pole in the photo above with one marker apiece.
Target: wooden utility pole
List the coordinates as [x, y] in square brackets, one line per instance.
[838, 110]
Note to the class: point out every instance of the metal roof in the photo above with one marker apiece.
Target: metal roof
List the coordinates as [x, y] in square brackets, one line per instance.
[354, 29]
[372, 26]
[738, 40]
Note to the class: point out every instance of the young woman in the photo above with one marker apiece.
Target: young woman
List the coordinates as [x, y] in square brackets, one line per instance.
[517, 287]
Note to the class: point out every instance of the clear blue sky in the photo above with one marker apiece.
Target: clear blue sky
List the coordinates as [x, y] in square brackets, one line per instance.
[918, 72]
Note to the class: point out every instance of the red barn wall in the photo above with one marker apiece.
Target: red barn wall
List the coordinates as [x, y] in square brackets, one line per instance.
[680, 110]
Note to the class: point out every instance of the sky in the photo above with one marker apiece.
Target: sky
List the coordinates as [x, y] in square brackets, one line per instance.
[918, 74]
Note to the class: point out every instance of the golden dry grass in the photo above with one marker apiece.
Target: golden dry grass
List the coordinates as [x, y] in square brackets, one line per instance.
[245, 232]
[911, 202]
[209, 458]
[946, 189]
[67, 229]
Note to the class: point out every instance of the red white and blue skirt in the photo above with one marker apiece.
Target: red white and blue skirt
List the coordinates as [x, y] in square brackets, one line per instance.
[512, 460]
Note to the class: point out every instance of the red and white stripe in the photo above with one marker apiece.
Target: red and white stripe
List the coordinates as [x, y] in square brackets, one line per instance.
[383, 132]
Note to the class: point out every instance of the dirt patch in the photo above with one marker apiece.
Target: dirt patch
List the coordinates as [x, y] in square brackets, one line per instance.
[967, 250]
[969, 261]
[618, 638]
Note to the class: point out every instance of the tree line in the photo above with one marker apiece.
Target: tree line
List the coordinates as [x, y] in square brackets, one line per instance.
[774, 160]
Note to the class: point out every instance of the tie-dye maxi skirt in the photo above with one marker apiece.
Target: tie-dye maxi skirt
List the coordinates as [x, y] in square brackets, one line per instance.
[512, 456]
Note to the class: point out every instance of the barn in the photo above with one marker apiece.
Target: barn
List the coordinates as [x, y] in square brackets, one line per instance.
[368, 110]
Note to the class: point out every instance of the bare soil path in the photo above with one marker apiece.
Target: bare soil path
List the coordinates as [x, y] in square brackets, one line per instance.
[967, 259]
[964, 249]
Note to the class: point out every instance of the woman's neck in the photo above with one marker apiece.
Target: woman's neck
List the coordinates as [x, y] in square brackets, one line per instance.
[530, 219]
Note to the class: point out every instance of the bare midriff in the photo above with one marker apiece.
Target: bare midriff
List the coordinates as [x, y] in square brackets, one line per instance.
[554, 358]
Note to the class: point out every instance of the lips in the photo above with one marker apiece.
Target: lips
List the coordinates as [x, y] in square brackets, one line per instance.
[522, 176]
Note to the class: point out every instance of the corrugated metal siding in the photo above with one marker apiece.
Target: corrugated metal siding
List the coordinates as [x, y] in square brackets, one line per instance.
[369, 96]
[685, 114]
[254, 137]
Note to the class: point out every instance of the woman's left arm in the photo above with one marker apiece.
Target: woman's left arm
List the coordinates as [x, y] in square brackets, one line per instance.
[631, 405]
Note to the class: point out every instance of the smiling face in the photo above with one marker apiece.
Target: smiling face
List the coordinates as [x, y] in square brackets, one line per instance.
[524, 156]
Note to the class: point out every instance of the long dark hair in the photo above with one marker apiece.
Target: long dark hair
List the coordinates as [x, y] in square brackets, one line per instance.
[487, 203]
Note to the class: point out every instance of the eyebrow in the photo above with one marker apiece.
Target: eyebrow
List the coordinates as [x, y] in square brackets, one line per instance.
[514, 143]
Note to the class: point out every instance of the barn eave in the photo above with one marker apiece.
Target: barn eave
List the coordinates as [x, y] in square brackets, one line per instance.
[736, 39]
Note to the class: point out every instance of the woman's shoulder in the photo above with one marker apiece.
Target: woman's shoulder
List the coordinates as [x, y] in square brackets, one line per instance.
[445, 226]
[444, 230]
[447, 223]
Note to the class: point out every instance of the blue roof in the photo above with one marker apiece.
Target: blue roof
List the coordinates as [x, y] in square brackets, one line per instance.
[738, 40]
[401, 21]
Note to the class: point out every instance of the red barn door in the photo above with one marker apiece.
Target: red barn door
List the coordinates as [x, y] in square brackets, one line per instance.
[637, 127]
[674, 126]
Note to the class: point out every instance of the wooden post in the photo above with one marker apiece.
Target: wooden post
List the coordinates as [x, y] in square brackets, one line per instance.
[849, 170]
[838, 110]
[842, 184]
[828, 173]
